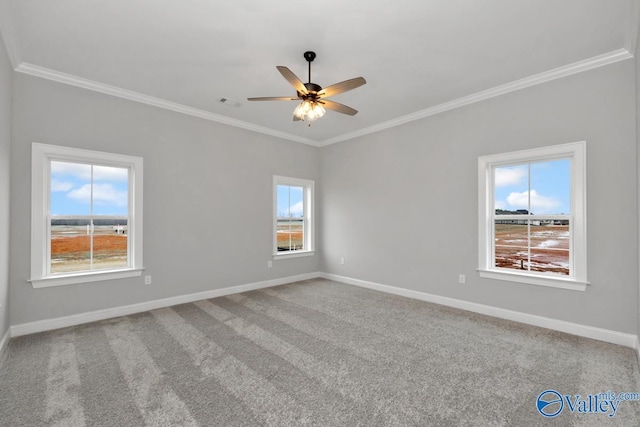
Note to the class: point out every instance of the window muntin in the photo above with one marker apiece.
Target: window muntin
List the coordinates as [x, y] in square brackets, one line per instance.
[292, 216]
[88, 208]
[532, 216]
[86, 220]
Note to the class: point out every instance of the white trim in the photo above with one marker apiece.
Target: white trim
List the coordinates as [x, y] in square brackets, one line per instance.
[606, 335]
[544, 77]
[4, 342]
[85, 277]
[308, 212]
[549, 281]
[576, 152]
[72, 80]
[92, 316]
[292, 254]
[41, 157]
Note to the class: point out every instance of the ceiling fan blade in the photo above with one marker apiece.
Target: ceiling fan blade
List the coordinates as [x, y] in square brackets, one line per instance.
[296, 118]
[273, 98]
[340, 108]
[293, 79]
[342, 87]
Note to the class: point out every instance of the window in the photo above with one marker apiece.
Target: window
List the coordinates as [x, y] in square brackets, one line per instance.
[86, 222]
[293, 216]
[532, 216]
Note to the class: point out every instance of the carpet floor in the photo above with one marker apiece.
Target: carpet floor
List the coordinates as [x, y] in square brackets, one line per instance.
[315, 352]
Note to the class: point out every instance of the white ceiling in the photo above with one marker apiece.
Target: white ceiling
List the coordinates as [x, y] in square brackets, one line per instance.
[418, 56]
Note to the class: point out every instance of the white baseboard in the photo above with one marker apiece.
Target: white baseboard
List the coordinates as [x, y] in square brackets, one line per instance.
[92, 316]
[606, 335]
[4, 342]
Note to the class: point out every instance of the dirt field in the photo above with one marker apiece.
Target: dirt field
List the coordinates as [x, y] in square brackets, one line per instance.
[70, 248]
[549, 248]
[296, 241]
[71, 253]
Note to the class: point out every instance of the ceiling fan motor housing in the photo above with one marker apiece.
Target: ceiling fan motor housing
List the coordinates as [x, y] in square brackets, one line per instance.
[312, 88]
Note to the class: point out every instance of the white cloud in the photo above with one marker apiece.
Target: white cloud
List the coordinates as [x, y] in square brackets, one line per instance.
[510, 176]
[83, 172]
[103, 194]
[71, 169]
[106, 173]
[539, 204]
[61, 185]
[297, 209]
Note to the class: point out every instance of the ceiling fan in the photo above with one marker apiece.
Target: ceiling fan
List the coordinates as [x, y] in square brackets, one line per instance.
[312, 95]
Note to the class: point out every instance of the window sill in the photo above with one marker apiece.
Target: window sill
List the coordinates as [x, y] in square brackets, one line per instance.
[531, 279]
[95, 276]
[292, 254]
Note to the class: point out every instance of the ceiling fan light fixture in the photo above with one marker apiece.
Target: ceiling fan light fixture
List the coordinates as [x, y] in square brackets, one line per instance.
[309, 110]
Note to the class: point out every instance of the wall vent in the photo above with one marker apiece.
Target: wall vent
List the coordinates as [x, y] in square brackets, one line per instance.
[229, 102]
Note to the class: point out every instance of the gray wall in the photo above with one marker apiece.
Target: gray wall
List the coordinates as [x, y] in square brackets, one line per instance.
[637, 58]
[6, 83]
[401, 205]
[207, 196]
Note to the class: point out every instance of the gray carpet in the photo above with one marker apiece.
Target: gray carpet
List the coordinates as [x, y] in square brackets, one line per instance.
[310, 353]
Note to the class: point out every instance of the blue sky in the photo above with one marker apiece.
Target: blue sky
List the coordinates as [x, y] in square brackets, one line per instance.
[289, 201]
[549, 190]
[72, 188]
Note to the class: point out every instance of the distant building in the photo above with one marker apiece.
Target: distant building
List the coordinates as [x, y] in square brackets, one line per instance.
[525, 221]
[515, 221]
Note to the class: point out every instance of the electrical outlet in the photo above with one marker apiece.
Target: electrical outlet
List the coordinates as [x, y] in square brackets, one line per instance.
[342, 260]
[147, 280]
[269, 264]
[462, 278]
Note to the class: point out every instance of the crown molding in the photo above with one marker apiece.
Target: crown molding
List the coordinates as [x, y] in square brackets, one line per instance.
[547, 76]
[72, 80]
[536, 79]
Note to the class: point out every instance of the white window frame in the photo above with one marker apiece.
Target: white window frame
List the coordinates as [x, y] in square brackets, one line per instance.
[308, 214]
[41, 157]
[576, 152]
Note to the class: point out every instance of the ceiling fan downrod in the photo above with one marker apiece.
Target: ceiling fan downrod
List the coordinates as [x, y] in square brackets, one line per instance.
[309, 56]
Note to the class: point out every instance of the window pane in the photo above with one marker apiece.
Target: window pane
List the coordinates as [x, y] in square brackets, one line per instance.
[290, 234]
[70, 245]
[290, 202]
[550, 247]
[511, 187]
[110, 244]
[543, 248]
[110, 190]
[551, 187]
[511, 244]
[70, 188]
